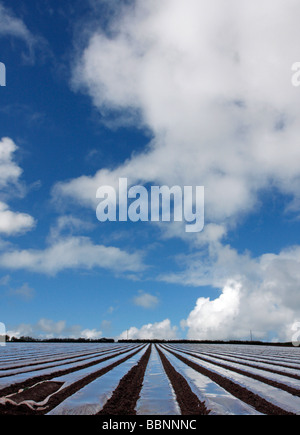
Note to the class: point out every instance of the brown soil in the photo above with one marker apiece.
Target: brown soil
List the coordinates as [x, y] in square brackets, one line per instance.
[12, 389]
[187, 400]
[38, 393]
[125, 397]
[64, 393]
[260, 404]
[10, 409]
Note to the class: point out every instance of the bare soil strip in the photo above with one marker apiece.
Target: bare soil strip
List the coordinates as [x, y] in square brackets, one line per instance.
[38, 393]
[63, 394]
[32, 381]
[272, 383]
[187, 400]
[125, 397]
[257, 402]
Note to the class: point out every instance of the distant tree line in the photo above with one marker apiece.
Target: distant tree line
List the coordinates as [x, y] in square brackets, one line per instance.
[111, 340]
[237, 342]
[57, 340]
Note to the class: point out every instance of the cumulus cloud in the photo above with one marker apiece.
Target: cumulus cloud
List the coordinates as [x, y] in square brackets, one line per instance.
[218, 101]
[161, 331]
[211, 80]
[262, 296]
[213, 317]
[91, 334]
[21, 330]
[11, 223]
[72, 253]
[50, 327]
[146, 300]
[46, 329]
[64, 251]
[10, 172]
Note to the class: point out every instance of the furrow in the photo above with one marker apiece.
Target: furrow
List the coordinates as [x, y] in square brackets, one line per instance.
[261, 405]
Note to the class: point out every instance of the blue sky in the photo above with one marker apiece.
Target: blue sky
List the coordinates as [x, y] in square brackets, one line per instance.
[167, 93]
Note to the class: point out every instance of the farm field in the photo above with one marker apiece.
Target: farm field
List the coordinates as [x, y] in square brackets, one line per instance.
[144, 379]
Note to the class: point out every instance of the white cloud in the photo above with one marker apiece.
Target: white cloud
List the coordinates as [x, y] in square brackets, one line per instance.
[68, 224]
[91, 334]
[46, 328]
[161, 331]
[211, 319]
[218, 101]
[146, 300]
[212, 82]
[262, 296]
[72, 253]
[10, 172]
[50, 327]
[12, 26]
[21, 330]
[25, 292]
[12, 223]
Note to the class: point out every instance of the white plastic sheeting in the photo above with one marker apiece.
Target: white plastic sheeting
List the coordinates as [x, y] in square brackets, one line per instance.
[216, 399]
[277, 397]
[280, 355]
[16, 354]
[271, 365]
[92, 398]
[57, 364]
[157, 395]
[82, 373]
[20, 364]
[291, 382]
[21, 377]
